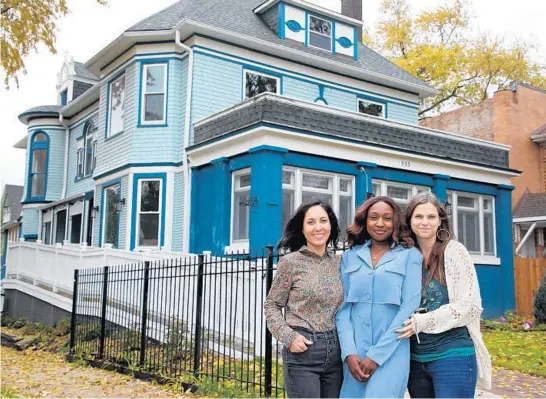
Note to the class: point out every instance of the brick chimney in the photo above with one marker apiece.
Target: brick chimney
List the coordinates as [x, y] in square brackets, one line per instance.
[353, 9]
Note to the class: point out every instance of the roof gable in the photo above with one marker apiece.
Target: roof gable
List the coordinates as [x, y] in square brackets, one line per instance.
[530, 205]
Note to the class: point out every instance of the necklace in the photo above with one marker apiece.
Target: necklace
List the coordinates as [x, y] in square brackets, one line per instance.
[377, 256]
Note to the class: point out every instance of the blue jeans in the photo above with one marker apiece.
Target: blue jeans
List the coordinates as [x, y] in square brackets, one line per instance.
[453, 377]
[317, 372]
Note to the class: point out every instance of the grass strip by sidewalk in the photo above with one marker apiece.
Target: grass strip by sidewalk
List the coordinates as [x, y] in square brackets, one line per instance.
[517, 350]
[7, 392]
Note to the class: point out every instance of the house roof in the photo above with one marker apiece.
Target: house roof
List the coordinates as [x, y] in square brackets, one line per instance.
[530, 205]
[277, 111]
[40, 111]
[237, 16]
[12, 199]
[83, 72]
[539, 135]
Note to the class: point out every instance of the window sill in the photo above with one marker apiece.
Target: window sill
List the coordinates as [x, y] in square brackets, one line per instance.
[111, 136]
[149, 124]
[485, 260]
[241, 247]
[79, 179]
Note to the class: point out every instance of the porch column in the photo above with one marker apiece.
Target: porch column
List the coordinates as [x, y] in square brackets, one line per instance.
[439, 187]
[505, 249]
[363, 181]
[265, 196]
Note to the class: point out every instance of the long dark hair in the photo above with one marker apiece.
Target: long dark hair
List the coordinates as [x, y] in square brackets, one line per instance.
[357, 233]
[293, 238]
[435, 261]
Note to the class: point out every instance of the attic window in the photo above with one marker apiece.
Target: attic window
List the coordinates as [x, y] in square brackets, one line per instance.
[320, 33]
[256, 83]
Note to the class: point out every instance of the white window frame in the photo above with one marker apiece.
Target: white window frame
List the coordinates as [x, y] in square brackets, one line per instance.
[481, 257]
[138, 213]
[143, 121]
[414, 188]
[383, 107]
[245, 71]
[298, 188]
[317, 33]
[238, 245]
[109, 132]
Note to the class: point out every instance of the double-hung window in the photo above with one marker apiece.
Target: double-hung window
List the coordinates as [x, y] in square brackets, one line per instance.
[401, 193]
[320, 33]
[111, 216]
[473, 221]
[39, 149]
[241, 203]
[370, 107]
[154, 94]
[257, 83]
[87, 152]
[116, 103]
[301, 186]
[149, 212]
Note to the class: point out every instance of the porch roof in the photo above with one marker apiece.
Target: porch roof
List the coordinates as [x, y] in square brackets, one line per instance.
[531, 206]
[272, 110]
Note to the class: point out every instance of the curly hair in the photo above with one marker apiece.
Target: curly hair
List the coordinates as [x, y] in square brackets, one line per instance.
[357, 233]
[293, 238]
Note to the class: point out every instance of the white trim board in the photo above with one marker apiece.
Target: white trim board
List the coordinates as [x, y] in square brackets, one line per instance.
[348, 151]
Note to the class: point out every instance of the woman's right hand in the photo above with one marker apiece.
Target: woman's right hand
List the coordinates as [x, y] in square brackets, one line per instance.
[353, 362]
[299, 344]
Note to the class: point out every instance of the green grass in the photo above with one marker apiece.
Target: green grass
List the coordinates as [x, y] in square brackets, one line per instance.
[7, 392]
[520, 351]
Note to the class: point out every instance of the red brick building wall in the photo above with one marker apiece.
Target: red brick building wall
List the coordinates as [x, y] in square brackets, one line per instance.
[510, 117]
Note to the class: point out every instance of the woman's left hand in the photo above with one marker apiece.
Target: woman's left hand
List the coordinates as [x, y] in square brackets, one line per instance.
[406, 331]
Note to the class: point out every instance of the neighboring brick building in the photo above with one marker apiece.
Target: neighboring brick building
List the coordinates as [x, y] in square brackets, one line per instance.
[517, 117]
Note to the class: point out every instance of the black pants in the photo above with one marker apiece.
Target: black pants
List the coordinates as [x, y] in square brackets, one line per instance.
[317, 372]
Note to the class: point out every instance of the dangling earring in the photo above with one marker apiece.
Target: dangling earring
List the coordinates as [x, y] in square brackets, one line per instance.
[440, 238]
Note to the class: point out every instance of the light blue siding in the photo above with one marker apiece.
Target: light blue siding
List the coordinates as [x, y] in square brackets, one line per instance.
[401, 113]
[217, 85]
[124, 212]
[96, 221]
[55, 167]
[300, 90]
[86, 184]
[115, 151]
[340, 99]
[30, 218]
[178, 212]
[163, 143]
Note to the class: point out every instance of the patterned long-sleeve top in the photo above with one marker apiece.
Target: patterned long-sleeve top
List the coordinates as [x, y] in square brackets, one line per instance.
[308, 286]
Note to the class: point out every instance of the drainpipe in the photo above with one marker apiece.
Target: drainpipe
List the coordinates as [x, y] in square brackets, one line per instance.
[67, 139]
[187, 125]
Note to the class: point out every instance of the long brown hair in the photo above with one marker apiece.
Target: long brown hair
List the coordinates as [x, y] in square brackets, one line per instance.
[357, 233]
[435, 261]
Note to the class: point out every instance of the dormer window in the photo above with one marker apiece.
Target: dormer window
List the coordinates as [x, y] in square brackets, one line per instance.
[257, 83]
[64, 97]
[320, 33]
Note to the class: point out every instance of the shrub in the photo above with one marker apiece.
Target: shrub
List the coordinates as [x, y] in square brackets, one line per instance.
[540, 302]
[62, 327]
[20, 323]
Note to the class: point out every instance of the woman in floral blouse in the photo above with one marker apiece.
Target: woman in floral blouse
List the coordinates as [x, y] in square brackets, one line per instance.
[308, 287]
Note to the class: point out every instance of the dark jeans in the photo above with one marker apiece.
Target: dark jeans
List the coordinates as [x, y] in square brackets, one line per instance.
[317, 372]
[453, 377]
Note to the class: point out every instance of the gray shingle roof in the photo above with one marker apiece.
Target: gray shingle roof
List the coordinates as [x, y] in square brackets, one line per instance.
[530, 205]
[40, 110]
[12, 197]
[293, 114]
[83, 72]
[238, 16]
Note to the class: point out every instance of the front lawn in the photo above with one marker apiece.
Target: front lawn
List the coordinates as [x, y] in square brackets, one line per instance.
[518, 350]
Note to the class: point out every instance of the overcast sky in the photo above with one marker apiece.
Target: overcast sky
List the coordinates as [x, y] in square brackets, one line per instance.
[90, 27]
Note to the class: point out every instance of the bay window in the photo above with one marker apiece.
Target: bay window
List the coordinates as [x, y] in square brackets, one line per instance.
[39, 151]
[149, 209]
[111, 196]
[240, 221]
[87, 152]
[473, 222]
[154, 94]
[116, 103]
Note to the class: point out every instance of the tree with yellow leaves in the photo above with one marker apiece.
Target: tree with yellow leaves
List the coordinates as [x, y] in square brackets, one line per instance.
[24, 24]
[438, 47]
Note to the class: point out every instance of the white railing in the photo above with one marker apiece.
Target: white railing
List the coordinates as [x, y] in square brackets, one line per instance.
[55, 264]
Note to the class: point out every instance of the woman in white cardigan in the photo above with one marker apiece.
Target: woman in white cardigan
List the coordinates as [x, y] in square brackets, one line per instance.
[448, 355]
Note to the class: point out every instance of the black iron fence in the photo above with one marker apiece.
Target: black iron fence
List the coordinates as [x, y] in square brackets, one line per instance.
[198, 316]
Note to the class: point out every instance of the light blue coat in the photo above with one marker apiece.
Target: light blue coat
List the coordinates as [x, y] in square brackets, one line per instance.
[376, 303]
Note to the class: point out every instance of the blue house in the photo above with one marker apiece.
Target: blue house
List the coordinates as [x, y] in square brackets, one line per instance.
[204, 126]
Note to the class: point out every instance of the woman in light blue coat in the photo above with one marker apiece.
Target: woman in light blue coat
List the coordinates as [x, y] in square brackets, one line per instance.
[381, 276]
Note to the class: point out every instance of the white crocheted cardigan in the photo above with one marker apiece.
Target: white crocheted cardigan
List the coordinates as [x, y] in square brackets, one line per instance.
[464, 307]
